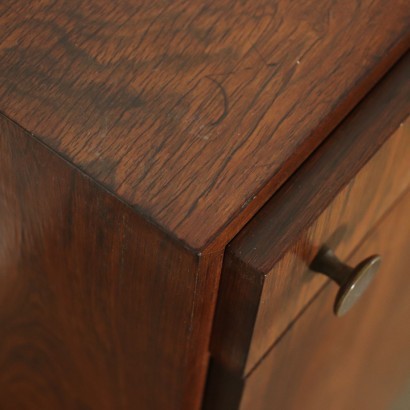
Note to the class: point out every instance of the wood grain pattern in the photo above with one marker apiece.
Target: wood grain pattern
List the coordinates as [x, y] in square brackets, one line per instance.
[265, 280]
[192, 112]
[98, 308]
[360, 361]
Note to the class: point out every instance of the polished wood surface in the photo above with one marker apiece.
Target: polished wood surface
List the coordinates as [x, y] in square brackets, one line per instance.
[360, 361]
[98, 308]
[265, 280]
[192, 112]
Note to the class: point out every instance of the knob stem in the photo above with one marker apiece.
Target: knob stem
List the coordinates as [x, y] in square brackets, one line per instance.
[327, 263]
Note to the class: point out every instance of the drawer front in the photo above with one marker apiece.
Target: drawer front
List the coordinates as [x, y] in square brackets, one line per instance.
[359, 361]
[334, 199]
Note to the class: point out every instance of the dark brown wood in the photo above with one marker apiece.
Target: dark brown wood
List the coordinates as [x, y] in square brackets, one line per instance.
[192, 112]
[265, 280]
[153, 132]
[98, 308]
[360, 361]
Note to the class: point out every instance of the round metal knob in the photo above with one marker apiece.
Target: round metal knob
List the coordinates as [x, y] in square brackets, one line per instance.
[352, 281]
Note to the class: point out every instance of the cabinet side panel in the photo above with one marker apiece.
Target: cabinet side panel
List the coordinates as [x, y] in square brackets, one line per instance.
[98, 308]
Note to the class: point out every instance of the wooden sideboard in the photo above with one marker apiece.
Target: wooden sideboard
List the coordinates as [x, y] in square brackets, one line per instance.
[169, 171]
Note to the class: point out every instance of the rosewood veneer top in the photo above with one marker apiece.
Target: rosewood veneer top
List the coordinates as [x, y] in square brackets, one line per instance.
[193, 112]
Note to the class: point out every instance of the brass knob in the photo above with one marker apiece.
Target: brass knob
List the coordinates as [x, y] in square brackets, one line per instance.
[352, 281]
